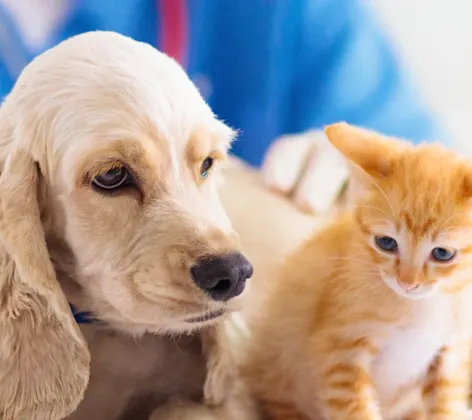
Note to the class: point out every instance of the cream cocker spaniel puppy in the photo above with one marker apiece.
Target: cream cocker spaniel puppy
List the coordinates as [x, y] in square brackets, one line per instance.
[110, 161]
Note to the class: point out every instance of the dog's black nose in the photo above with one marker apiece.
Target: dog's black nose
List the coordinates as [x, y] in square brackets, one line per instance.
[222, 277]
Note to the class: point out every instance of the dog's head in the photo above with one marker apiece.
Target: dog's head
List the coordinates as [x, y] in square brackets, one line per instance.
[131, 157]
[127, 157]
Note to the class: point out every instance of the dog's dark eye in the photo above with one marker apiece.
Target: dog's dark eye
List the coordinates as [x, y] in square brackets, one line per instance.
[443, 254]
[386, 243]
[113, 179]
[206, 166]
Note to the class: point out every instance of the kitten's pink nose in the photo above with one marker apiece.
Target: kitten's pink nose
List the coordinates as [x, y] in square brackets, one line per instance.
[409, 287]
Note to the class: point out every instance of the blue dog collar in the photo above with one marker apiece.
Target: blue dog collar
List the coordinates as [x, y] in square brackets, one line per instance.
[82, 317]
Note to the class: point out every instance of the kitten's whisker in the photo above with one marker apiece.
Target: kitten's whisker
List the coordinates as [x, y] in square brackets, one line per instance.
[353, 268]
[384, 195]
[371, 271]
[448, 220]
[346, 258]
[352, 260]
[378, 209]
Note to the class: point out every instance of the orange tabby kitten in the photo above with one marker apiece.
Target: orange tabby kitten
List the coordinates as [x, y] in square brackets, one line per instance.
[376, 300]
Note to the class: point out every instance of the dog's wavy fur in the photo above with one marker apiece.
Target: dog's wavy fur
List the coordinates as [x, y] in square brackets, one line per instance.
[96, 100]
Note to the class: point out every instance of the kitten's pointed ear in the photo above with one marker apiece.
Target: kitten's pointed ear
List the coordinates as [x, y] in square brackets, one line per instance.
[369, 154]
[368, 150]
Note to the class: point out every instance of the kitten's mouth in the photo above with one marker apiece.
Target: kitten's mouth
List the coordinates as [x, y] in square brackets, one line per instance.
[206, 317]
[414, 293]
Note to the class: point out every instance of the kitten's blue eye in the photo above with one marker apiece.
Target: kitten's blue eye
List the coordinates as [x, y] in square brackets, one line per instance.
[386, 243]
[443, 254]
[206, 166]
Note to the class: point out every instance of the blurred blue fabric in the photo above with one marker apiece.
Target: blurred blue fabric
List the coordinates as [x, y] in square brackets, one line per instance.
[266, 67]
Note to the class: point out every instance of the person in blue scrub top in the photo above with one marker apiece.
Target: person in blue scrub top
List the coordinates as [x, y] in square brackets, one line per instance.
[266, 67]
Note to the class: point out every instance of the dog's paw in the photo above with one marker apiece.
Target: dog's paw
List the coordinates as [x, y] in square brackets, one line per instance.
[221, 369]
[221, 377]
[307, 168]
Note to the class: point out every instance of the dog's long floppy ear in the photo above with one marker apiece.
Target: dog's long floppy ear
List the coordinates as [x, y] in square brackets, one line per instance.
[44, 360]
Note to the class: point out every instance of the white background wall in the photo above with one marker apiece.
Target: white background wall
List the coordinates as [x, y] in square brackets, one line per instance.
[434, 38]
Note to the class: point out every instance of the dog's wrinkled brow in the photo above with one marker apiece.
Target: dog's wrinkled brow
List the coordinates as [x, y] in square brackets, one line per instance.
[147, 162]
[203, 143]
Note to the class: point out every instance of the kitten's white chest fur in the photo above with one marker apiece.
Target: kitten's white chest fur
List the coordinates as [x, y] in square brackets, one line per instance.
[408, 351]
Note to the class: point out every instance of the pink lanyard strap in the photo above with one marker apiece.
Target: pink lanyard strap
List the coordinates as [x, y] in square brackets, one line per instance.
[174, 29]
